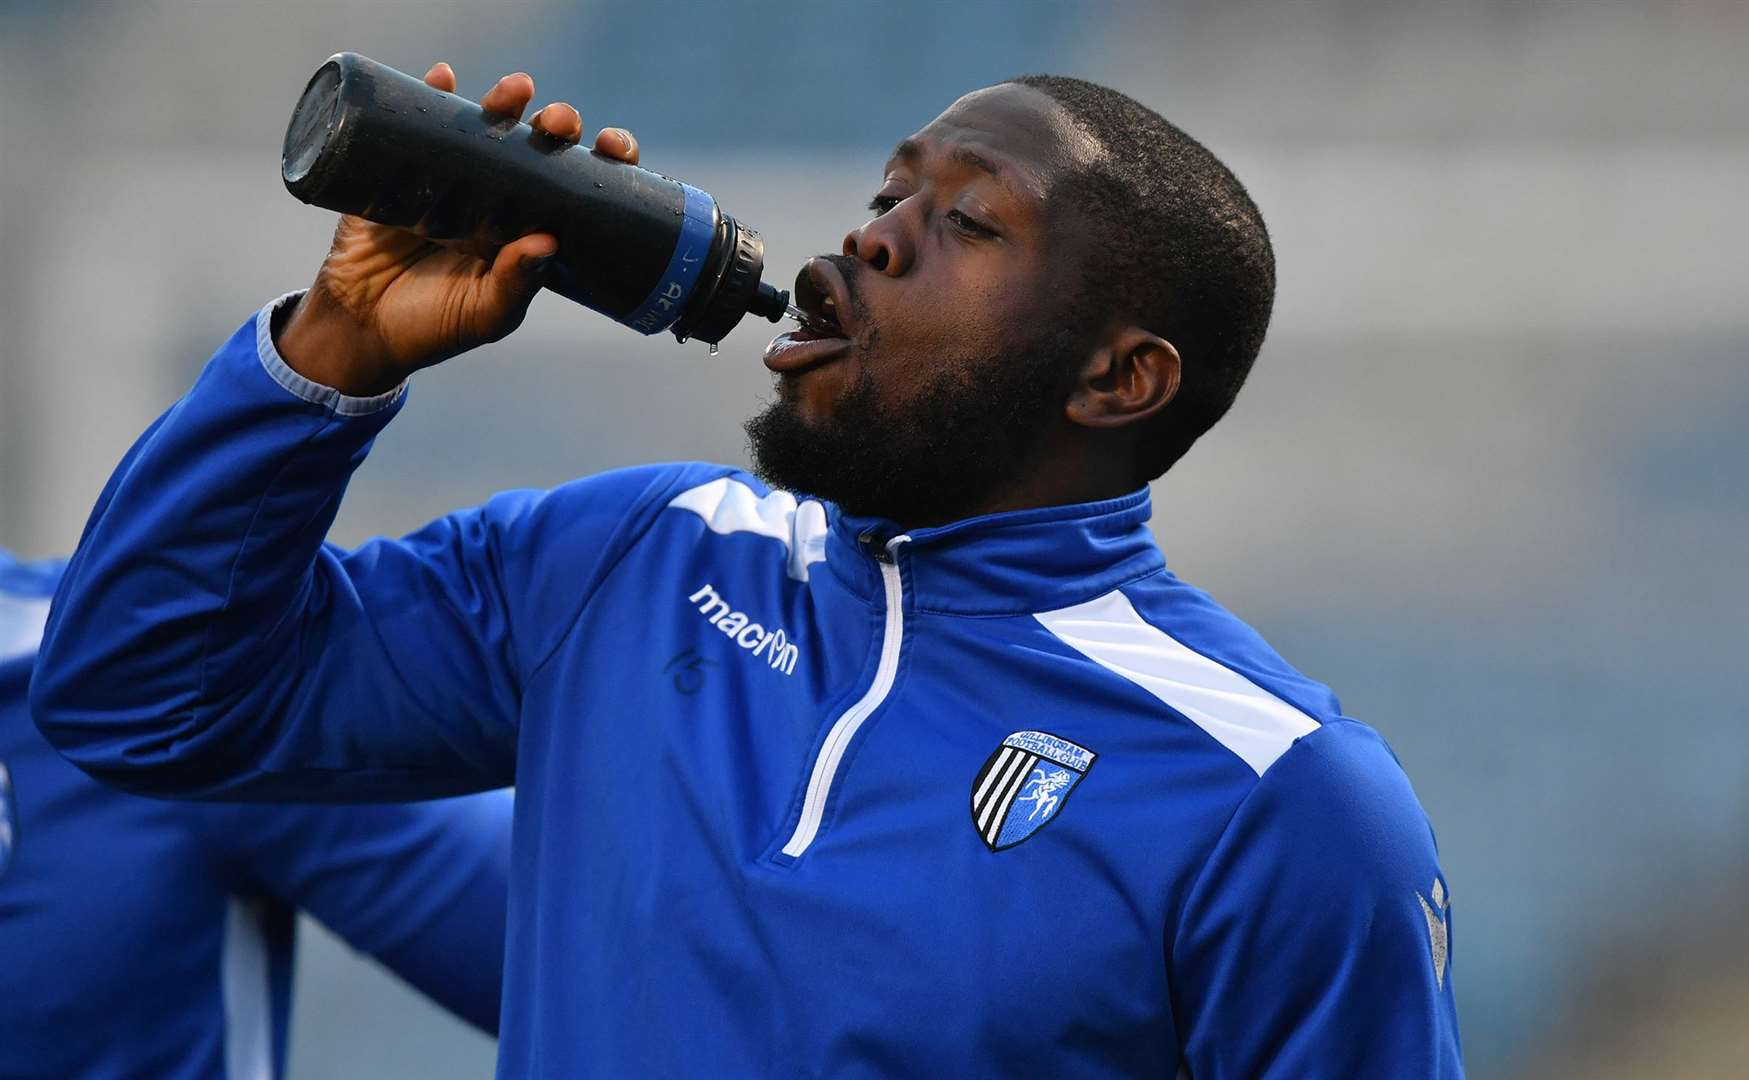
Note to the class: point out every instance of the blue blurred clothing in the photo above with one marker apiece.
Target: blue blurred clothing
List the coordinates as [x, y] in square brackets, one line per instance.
[798, 793]
[141, 937]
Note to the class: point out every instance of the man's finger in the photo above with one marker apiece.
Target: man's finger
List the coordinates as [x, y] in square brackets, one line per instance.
[560, 121]
[510, 95]
[525, 255]
[442, 76]
[617, 143]
[515, 276]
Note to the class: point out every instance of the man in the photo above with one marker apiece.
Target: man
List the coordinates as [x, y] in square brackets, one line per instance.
[937, 772]
[140, 937]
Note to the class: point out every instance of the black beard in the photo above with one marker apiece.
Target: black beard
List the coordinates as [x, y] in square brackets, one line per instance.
[976, 424]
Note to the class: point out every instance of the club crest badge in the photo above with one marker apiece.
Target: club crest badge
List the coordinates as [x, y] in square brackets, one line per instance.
[1024, 784]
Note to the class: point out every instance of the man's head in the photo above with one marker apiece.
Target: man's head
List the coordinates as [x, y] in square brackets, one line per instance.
[1058, 293]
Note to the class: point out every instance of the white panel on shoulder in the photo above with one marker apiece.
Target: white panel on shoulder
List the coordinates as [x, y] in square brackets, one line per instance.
[729, 506]
[1242, 716]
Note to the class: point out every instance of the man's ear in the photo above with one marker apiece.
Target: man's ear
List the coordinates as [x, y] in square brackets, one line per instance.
[1132, 375]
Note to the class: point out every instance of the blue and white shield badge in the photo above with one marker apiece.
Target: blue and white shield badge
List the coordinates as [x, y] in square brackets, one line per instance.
[1024, 785]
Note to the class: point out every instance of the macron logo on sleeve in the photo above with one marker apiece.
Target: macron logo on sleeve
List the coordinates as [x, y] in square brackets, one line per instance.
[773, 646]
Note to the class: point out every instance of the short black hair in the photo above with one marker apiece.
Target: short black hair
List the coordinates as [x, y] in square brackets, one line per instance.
[1178, 245]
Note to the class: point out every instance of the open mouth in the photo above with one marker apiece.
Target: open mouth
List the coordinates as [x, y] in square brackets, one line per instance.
[824, 334]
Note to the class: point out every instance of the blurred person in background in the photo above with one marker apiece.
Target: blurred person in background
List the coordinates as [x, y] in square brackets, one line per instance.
[150, 938]
[747, 730]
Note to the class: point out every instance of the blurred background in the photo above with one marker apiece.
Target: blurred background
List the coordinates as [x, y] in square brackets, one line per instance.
[1488, 478]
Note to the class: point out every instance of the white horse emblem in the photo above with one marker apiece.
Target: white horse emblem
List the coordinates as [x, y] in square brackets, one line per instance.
[1043, 791]
[1024, 784]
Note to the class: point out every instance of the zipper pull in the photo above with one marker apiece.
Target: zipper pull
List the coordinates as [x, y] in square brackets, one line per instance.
[871, 545]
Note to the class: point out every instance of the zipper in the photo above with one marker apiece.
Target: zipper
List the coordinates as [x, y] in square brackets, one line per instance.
[851, 720]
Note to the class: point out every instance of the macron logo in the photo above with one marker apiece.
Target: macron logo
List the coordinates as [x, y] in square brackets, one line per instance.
[772, 645]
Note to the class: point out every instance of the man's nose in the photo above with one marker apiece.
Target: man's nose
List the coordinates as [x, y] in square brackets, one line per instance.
[882, 244]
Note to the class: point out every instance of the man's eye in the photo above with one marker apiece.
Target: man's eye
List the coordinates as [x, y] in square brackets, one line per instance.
[880, 204]
[968, 224]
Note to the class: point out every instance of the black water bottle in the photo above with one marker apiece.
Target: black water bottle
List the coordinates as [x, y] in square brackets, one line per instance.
[639, 247]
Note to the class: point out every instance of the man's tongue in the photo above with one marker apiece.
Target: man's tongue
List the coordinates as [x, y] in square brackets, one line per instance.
[802, 348]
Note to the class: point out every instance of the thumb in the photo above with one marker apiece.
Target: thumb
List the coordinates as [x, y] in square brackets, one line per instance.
[519, 270]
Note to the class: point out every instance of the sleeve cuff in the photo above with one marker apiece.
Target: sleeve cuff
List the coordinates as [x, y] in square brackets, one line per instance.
[313, 392]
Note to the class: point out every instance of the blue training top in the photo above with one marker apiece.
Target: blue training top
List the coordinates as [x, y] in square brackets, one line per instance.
[798, 794]
[146, 938]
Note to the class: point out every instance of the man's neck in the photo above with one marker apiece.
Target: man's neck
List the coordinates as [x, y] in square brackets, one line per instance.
[1036, 490]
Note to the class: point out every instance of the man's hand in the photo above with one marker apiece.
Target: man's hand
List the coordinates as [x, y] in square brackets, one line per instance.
[388, 302]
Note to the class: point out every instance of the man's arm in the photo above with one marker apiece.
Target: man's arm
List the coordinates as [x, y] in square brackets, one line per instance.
[206, 642]
[421, 887]
[1316, 941]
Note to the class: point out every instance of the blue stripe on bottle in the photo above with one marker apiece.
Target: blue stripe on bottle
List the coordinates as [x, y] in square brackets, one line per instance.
[674, 287]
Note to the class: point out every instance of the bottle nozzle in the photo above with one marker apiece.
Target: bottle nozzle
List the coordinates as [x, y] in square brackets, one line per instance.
[770, 302]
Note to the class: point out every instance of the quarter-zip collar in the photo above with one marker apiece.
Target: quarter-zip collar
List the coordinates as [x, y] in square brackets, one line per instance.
[1003, 564]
